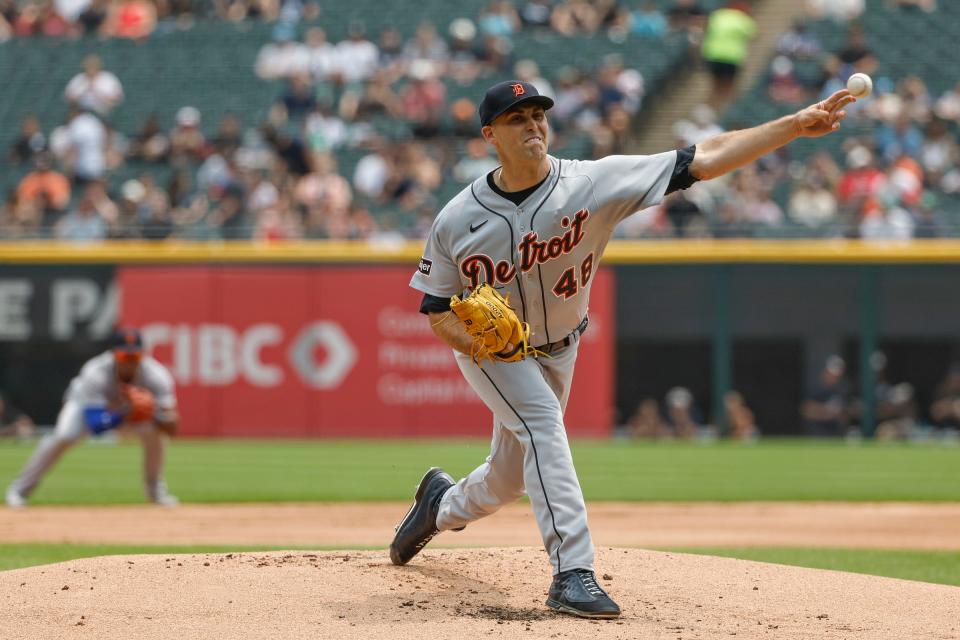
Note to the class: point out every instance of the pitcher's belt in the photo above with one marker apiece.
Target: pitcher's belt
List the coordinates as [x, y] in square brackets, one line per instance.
[565, 342]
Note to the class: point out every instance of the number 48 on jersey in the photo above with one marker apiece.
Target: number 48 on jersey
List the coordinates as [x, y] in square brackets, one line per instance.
[568, 286]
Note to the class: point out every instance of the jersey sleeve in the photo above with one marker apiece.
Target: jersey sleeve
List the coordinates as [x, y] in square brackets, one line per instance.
[437, 274]
[92, 385]
[624, 185]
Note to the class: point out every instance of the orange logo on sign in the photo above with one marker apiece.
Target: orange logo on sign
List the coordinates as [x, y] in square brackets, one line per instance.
[518, 90]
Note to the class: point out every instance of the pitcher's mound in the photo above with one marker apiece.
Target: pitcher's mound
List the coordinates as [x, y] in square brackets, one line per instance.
[457, 594]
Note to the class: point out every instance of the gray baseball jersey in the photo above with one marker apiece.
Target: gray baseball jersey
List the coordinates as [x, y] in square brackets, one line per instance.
[97, 384]
[543, 253]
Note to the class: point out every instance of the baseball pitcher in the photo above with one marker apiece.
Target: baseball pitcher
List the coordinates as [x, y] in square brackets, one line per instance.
[121, 387]
[506, 277]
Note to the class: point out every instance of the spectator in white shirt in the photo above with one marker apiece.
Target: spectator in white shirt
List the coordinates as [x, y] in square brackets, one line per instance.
[95, 88]
[427, 45]
[701, 125]
[839, 10]
[81, 145]
[89, 139]
[812, 203]
[373, 171]
[323, 55]
[284, 57]
[357, 57]
[70, 10]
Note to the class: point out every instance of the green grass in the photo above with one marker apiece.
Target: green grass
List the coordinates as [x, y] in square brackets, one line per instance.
[279, 471]
[926, 566]
[16, 556]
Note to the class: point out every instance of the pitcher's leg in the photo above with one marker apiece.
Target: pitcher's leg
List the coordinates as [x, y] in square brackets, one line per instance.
[496, 482]
[555, 493]
[69, 430]
[520, 397]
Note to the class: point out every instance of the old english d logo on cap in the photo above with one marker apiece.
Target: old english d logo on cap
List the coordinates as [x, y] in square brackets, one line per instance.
[506, 95]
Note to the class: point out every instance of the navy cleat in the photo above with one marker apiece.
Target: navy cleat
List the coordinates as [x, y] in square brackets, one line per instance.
[576, 592]
[420, 524]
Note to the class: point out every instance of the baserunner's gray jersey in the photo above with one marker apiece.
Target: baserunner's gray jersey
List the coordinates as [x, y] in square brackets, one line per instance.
[97, 384]
[545, 251]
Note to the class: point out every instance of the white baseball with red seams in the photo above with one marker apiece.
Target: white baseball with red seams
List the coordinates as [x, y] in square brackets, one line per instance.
[860, 85]
[543, 254]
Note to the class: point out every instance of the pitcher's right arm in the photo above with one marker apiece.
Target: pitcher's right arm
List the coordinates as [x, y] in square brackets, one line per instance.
[447, 326]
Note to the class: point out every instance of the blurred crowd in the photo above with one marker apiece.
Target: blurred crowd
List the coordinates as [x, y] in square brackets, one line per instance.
[846, 10]
[139, 19]
[679, 417]
[14, 423]
[892, 184]
[382, 101]
[369, 135]
[135, 19]
[830, 409]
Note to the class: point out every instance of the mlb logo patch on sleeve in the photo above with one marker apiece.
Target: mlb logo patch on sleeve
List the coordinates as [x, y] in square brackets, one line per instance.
[425, 266]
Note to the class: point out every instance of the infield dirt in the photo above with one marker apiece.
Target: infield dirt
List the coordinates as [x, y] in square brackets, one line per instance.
[931, 526]
[461, 593]
[470, 592]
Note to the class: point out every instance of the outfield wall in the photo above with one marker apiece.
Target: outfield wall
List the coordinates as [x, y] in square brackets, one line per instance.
[266, 349]
[323, 339]
[337, 350]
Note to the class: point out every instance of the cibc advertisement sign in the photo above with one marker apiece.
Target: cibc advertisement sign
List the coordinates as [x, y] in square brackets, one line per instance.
[328, 352]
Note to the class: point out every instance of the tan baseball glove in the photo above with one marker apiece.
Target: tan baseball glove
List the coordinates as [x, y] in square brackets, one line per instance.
[493, 325]
[139, 404]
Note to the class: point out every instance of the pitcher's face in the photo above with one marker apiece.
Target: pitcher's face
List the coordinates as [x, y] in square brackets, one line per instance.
[520, 134]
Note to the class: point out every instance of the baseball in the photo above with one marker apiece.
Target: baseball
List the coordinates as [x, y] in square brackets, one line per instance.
[860, 85]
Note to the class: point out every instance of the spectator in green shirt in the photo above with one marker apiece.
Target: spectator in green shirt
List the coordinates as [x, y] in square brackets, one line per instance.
[729, 30]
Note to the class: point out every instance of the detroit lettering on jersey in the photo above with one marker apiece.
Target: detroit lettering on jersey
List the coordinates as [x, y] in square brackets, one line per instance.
[479, 268]
[541, 251]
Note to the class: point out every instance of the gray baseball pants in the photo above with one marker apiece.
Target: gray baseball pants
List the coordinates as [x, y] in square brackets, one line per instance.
[70, 429]
[529, 454]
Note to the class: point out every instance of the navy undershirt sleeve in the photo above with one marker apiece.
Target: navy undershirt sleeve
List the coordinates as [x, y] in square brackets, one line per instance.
[434, 304]
[682, 178]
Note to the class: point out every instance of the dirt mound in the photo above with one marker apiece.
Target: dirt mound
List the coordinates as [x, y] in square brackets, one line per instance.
[465, 593]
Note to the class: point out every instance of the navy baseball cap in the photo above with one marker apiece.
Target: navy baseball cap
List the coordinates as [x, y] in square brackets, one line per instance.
[127, 339]
[506, 95]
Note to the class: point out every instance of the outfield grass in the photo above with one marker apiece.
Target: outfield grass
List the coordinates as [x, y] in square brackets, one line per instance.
[280, 471]
[17, 556]
[927, 566]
